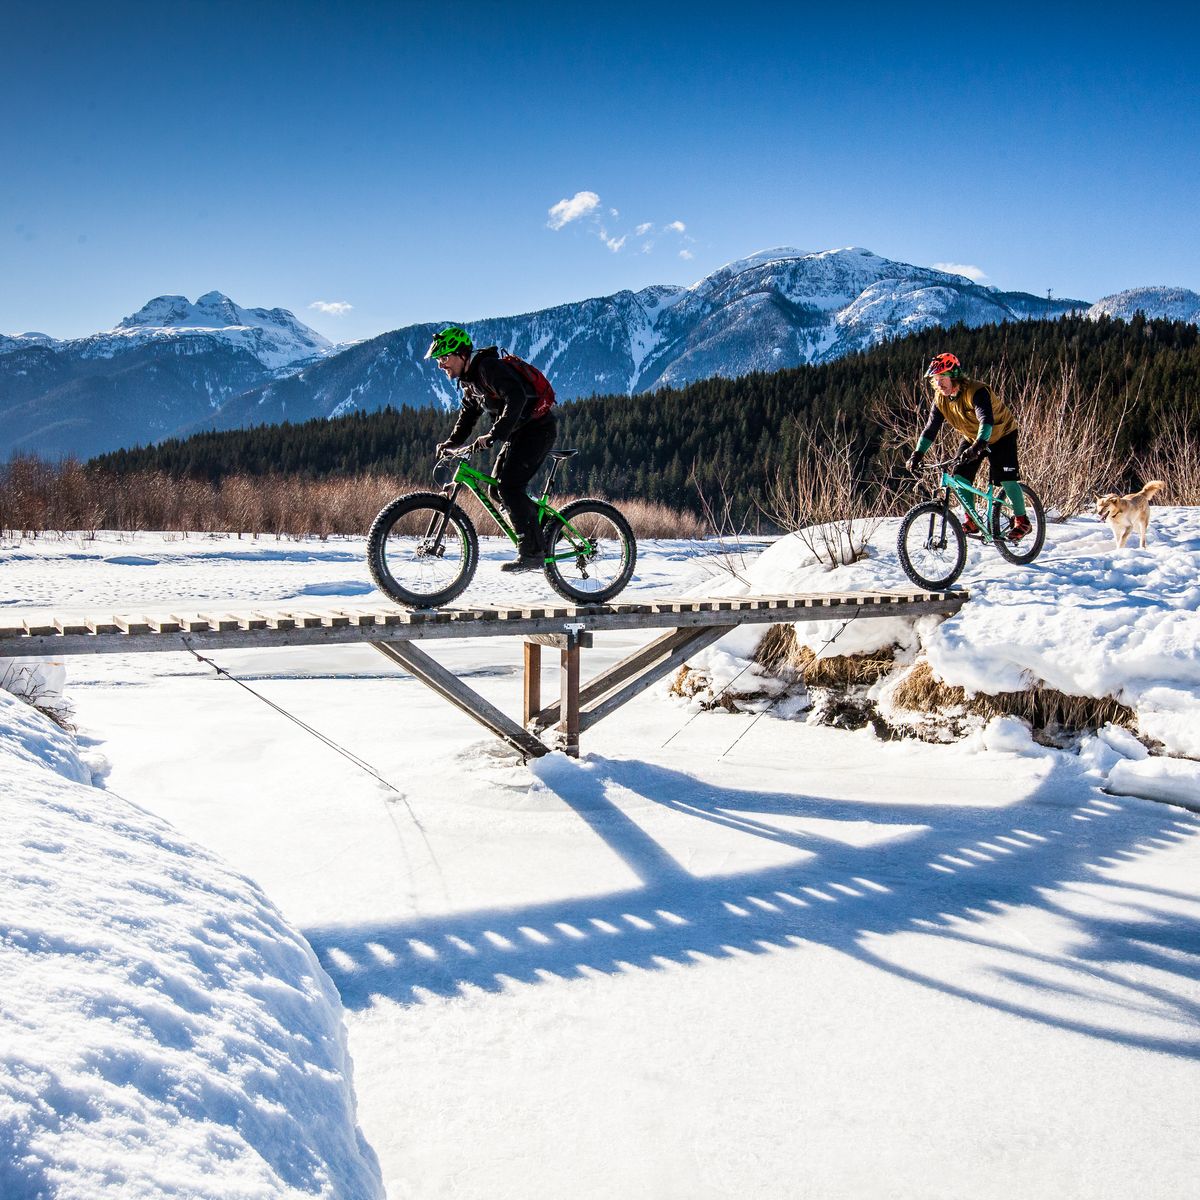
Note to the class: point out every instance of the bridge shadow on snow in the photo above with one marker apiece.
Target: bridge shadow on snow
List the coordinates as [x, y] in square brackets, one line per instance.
[939, 873]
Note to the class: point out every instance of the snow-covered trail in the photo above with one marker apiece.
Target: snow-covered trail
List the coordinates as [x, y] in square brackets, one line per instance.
[806, 964]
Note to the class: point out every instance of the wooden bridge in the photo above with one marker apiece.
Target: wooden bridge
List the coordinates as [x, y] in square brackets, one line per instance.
[689, 625]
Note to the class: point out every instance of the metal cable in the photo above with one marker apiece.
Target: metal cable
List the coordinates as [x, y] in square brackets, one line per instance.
[349, 755]
[759, 716]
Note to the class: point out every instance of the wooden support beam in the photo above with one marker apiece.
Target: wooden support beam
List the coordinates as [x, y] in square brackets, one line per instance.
[654, 670]
[627, 668]
[451, 688]
[533, 681]
[568, 702]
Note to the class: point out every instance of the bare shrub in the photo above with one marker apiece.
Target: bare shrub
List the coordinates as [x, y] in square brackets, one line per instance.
[725, 552]
[26, 684]
[825, 502]
[1174, 457]
[1068, 438]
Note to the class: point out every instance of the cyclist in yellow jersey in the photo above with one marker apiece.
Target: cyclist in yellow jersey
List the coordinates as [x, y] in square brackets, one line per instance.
[988, 428]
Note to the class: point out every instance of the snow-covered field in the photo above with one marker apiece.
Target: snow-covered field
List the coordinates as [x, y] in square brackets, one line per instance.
[720, 955]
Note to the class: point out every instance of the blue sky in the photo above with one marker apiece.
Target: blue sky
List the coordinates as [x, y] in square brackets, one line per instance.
[404, 160]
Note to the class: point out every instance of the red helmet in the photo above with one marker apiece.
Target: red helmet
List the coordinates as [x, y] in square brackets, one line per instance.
[943, 364]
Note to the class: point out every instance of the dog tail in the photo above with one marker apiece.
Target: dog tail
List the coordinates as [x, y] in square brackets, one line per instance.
[1152, 488]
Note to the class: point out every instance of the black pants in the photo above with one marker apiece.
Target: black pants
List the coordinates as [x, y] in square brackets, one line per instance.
[1002, 460]
[517, 464]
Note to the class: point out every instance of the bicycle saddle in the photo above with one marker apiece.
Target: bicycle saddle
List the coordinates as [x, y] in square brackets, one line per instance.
[561, 454]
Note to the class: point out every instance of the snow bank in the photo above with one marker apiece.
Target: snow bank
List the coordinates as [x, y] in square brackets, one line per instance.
[1168, 779]
[1084, 618]
[163, 1031]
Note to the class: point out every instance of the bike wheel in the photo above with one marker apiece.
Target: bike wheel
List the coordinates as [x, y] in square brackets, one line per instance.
[605, 552]
[422, 550]
[932, 545]
[1030, 546]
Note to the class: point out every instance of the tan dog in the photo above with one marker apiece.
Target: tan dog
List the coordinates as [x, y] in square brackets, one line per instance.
[1124, 514]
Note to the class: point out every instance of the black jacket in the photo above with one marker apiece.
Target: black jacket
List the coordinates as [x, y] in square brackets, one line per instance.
[490, 383]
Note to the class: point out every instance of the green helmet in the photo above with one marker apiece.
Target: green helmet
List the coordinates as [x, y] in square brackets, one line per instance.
[451, 340]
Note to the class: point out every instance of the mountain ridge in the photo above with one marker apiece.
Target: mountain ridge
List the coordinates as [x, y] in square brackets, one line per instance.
[176, 366]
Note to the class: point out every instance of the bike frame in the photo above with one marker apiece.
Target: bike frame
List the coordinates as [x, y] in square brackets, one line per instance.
[965, 492]
[477, 481]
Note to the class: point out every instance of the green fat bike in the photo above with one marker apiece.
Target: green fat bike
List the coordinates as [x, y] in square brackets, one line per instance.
[932, 543]
[423, 549]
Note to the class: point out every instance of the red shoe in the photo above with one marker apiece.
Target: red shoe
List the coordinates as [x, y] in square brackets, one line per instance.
[970, 528]
[1020, 527]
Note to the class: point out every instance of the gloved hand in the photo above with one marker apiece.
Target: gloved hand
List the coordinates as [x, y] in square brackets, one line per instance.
[442, 449]
[964, 454]
[482, 442]
[913, 461]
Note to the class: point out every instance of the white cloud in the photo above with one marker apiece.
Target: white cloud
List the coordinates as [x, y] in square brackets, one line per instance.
[975, 273]
[579, 205]
[686, 254]
[594, 219]
[332, 308]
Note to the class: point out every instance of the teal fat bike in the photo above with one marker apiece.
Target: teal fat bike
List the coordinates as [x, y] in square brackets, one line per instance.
[423, 549]
[932, 543]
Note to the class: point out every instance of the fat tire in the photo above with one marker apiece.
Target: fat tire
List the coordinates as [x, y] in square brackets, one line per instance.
[383, 524]
[552, 530]
[1026, 550]
[955, 535]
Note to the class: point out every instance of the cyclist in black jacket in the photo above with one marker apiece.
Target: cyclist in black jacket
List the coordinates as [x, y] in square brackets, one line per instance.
[486, 381]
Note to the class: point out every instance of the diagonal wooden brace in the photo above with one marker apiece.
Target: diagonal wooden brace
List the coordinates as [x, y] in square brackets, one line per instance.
[640, 670]
[449, 686]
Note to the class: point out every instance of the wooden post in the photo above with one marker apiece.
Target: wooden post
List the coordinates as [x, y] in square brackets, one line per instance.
[568, 726]
[533, 681]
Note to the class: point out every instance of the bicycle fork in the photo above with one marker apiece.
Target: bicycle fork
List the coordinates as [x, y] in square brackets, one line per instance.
[937, 526]
[433, 541]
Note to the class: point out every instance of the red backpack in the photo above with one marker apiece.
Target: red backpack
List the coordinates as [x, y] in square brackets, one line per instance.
[536, 380]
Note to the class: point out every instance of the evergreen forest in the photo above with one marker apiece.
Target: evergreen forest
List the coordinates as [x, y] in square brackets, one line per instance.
[729, 437]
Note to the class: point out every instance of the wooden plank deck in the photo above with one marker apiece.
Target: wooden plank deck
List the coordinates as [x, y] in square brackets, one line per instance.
[215, 628]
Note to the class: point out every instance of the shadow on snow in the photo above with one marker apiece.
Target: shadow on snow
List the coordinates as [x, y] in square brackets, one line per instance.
[1132, 951]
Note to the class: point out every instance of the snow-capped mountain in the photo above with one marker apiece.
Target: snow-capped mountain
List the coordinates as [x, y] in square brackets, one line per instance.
[159, 370]
[19, 341]
[273, 336]
[175, 367]
[778, 308]
[1165, 303]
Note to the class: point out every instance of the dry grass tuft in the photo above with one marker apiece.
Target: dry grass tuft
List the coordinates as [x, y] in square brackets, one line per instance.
[778, 649]
[1043, 707]
[780, 652]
